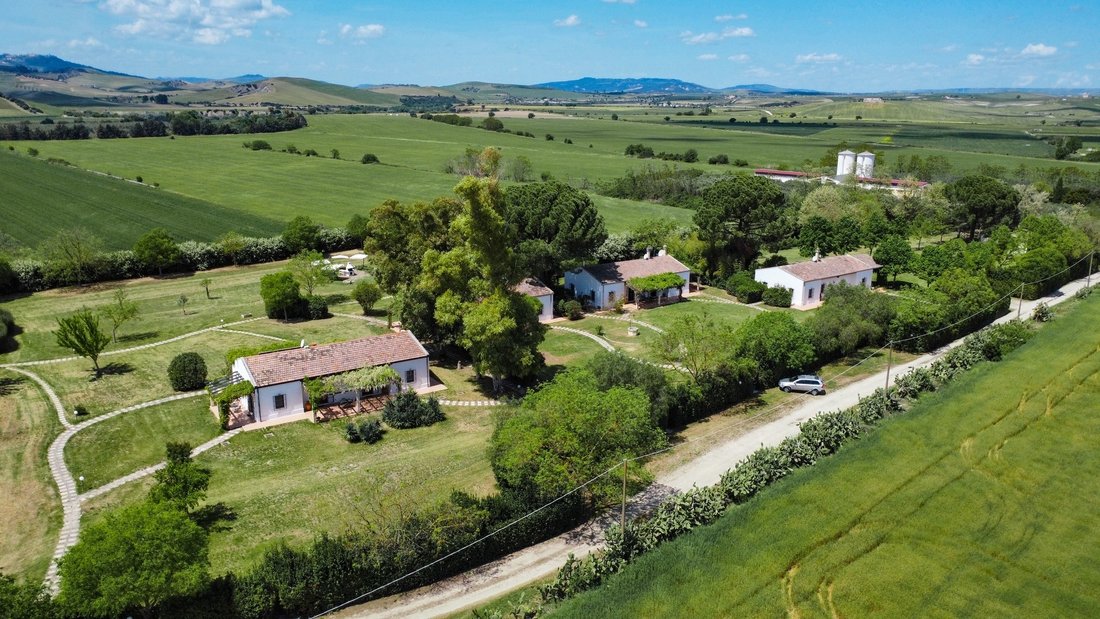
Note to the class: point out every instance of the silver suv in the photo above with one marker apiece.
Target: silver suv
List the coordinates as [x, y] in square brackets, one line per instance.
[806, 383]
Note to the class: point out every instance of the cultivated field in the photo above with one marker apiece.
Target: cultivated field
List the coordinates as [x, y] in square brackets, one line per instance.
[978, 502]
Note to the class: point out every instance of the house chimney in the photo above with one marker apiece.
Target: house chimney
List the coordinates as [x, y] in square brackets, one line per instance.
[302, 344]
[646, 256]
[817, 256]
[664, 251]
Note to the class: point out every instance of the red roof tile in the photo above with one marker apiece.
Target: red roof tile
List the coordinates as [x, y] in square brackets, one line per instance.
[284, 366]
[532, 287]
[831, 266]
[611, 272]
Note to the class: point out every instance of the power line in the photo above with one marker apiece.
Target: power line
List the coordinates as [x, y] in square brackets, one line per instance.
[663, 450]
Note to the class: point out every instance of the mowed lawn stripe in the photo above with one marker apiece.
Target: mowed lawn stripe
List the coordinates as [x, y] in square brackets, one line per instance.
[978, 502]
[40, 199]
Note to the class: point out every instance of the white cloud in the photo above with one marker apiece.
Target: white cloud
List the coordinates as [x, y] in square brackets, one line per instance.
[973, 60]
[739, 58]
[728, 17]
[947, 49]
[209, 22]
[707, 57]
[568, 22]
[691, 38]
[1039, 49]
[89, 43]
[640, 24]
[816, 58]
[322, 39]
[363, 32]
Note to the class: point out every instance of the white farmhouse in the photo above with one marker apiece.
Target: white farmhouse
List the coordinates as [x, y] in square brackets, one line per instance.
[808, 280]
[277, 376]
[602, 285]
[532, 287]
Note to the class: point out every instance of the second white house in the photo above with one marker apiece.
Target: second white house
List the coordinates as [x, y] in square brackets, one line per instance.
[809, 280]
[602, 285]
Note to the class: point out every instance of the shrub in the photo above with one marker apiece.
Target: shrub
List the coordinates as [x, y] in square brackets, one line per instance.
[777, 296]
[366, 293]
[741, 163]
[1042, 313]
[370, 431]
[745, 288]
[719, 160]
[80, 410]
[317, 308]
[407, 410]
[571, 309]
[549, 137]
[369, 158]
[187, 372]
[351, 432]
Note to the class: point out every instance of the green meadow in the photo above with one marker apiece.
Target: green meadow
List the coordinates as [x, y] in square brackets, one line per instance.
[208, 184]
[977, 502]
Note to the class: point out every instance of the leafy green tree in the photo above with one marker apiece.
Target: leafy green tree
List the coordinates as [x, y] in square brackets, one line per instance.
[849, 318]
[8, 280]
[399, 235]
[366, 293]
[776, 342]
[558, 215]
[503, 333]
[136, 558]
[982, 202]
[281, 295]
[653, 232]
[739, 215]
[120, 312]
[615, 369]
[205, 283]
[568, 432]
[81, 334]
[697, 342]
[309, 270]
[157, 249]
[935, 259]
[26, 601]
[302, 234]
[71, 255]
[895, 255]
[182, 301]
[486, 232]
[232, 244]
[181, 483]
[358, 226]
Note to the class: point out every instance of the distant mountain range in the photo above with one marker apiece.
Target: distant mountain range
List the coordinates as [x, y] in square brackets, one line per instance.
[63, 83]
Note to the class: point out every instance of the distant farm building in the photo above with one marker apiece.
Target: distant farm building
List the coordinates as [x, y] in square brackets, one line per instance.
[850, 167]
[534, 288]
[809, 280]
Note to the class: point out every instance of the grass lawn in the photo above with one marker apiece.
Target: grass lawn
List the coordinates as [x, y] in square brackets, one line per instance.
[562, 349]
[135, 377]
[978, 502]
[121, 445]
[723, 313]
[234, 291]
[30, 512]
[290, 483]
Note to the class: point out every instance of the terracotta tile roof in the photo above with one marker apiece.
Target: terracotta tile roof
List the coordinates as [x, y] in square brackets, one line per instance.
[284, 366]
[611, 272]
[831, 266]
[532, 287]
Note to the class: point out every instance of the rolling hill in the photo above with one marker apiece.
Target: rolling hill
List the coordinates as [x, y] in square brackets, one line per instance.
[631, 85]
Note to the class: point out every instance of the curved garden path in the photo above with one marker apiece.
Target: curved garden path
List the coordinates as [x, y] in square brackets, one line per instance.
[630, 320]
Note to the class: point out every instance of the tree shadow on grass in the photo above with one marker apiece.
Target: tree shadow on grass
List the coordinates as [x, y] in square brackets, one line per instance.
[137, 337]
[9, 343]
[214, 518]
[115, 369]
[9, 386]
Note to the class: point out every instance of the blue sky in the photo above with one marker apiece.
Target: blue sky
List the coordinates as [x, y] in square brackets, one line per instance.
[841, 46]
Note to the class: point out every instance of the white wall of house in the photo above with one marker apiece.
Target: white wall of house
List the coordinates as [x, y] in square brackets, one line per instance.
[583, 285]
[805, 294]
[547, 311]
[419, 367]
[775, 277]
[264, 398]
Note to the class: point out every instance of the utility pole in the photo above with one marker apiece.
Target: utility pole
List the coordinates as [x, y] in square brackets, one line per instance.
[1088, 278]
[1020, 307]
[622, 513]
[889, 363]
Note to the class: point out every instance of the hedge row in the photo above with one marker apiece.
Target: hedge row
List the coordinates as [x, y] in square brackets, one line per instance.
[36, 275]
[819, 436]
